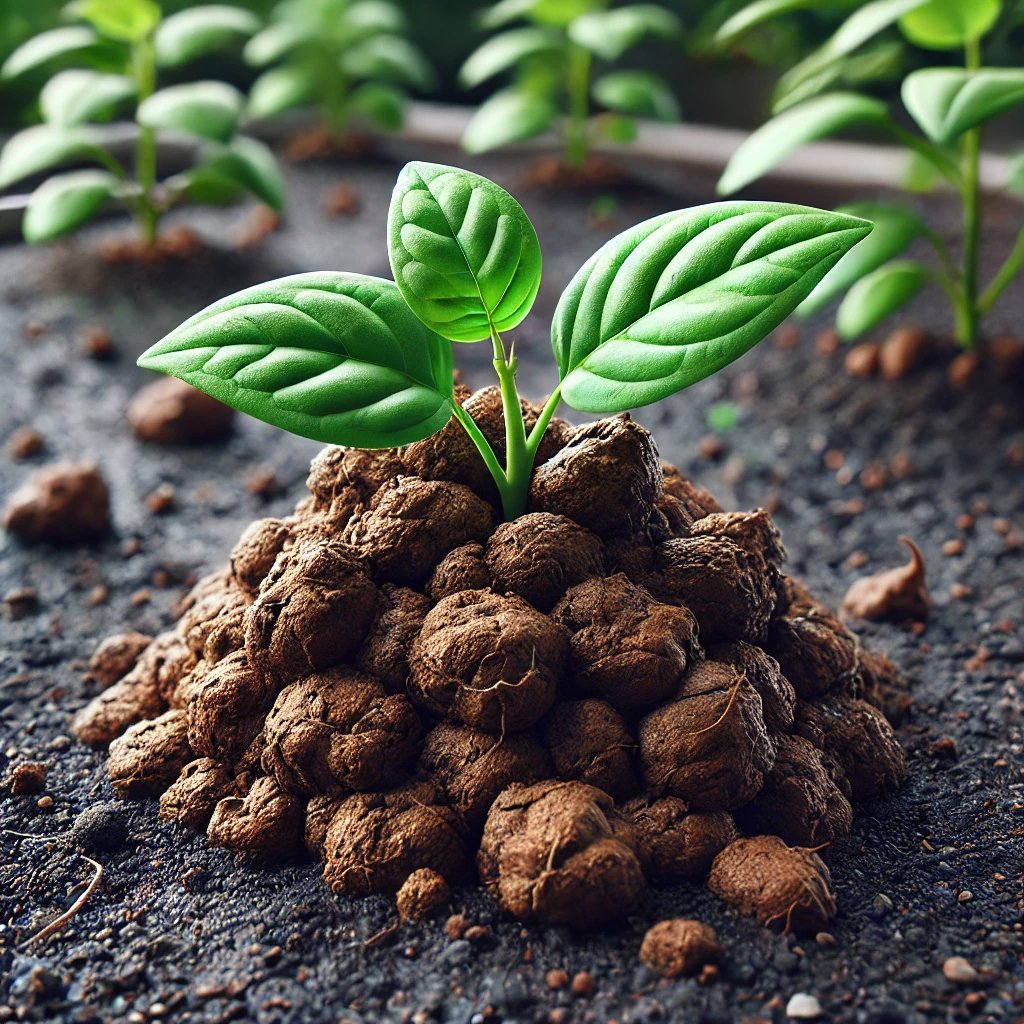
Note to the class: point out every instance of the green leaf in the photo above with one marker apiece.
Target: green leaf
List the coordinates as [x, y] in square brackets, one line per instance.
[505, 12]
[47, 46]
[1015, 177]
[128, 21]
[41, 147]
[510, 115]
[382, 103]
[390, 57]
[877, 295]
[949, 24]
[77, 96]
[197, 30]
[895, 228]
[276, 41]
[65, 202]
[673, 300]
[462, 251]
[609, 34]
[375, 16]
[755, 14]
[883, 60]
[335, 357]
[921, 174]
[722, 417]
[814, 119]
[562, 13]
[946, 102]
[246, 164]
[280, 89]
[209, 110]
[641, 93]
[616, 128]
[504, 51]
[864, 24]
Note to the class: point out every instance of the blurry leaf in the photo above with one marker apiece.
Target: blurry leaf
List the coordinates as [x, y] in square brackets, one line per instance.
[375, 16]
[1015, 179]
[814, 119]
[755, 14]
[246, 164]
[47, 46]
[641, 93]
[41, 147]
[78, 95]
[508, 116]
[209, 110]
[949, 24]
[276, 41]
[615, 128]
[877, 295]
[65, 202]
[504, 51]
[562, 12]
[722, 417]
[881, 61]
[609, 34]
[382, 103]
[197, 30]
[280, 89]
[390, 57]
[946, 102]
[505, 12]
[128, 21]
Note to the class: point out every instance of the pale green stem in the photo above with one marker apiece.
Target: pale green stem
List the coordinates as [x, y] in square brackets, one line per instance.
[518, 461]
[576, 142]
[967, 325]
[147, 211]
[1012, 266]
[533, 442]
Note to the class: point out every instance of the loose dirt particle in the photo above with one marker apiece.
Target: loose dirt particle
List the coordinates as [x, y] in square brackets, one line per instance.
[826, 343]
[24, 443]
[862, 360]
[422, 894]
[162, 500]
[21, 603]
[342, 200]
[900, 351]
[894, 594]
[27, 778]
[582, 985]
[65, 503]
[952, 548]
[679, 947]
[98, 344]
[960, 970]
[170, 412]
[962, 368]
[117, 656]
[556, 980]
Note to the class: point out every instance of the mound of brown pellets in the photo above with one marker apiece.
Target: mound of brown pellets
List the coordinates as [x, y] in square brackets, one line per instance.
[619, 688]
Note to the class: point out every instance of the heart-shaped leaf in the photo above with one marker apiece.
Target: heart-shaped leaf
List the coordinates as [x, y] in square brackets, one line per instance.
[946, 102]
[188, 34]
[209, 110]
[463, 251]
[877, 295]
[816, 118]
[41, 49]
[509, 116]
[609, 34]
[673, 300]
[79, 95]
[335, 357]
[41, 147]
[949, 24]
[895, 228]
[65, 202]
[504, 51]
[641, 93]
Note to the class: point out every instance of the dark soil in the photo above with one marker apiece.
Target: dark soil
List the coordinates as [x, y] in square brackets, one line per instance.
[179, 931]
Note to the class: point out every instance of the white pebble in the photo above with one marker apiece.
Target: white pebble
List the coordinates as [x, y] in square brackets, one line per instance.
[803, 1007]
[958, 968]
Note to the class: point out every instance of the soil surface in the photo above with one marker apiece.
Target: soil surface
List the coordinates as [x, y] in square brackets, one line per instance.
[179, 931]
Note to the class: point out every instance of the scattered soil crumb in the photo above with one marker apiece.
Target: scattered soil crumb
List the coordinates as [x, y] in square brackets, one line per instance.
[679, 947]
[897, 594]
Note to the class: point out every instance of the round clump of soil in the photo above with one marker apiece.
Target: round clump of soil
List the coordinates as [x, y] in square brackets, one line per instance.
[619, 688]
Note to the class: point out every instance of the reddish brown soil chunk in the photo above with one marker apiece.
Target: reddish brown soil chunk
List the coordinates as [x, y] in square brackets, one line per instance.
[26, 778]
[423, 894]
[800, 802]
[817, 655]
[385, 654]
[697, 501]
[375, 841]
[729, 591]
[894, 594]
[679, 947]
[728, 663]
[338, 731]
[549, 854]
[169, 411]
[412, 524]
[674, 843]
[191, 798]
[776, 883]
[711, 749]
[461, 569]
[257, 549]
[625, 646]
[116, 656]
[606, 478]
[313, 611]
[540, 555]
[65, 503]
[588, 741]
[859, 738]
[24, 443]
[882, 685]
[149, 756]
[213, 627]
[343, 479]
[492, 661]
[473, 767]
[266, 823]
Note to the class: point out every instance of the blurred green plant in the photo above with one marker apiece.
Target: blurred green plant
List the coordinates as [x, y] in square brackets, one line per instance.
[346, 58]
[115, 48]
[549, 47]
[949, 105]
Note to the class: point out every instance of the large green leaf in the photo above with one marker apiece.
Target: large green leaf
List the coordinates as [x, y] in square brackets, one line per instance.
[895, 228]
[506, 50]
[389, 57]
[246, 164]
[336, 357]
[208, 110]
[949, 24]
[510, 115]
[755, 14]
[462, 250]
[65, 202]
[816, 118]
[609, 34]
[128, 21]
[41, 147]
[78, 95]
[41, 49]
[280, 89]
[946, 102]
[641, 93]
[673, 300]
[197, 30]
[877, 295]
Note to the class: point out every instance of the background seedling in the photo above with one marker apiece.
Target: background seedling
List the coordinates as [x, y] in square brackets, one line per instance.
[549, 52]
[364, 362]
[949, 105]
[119, 46]
[344, 57]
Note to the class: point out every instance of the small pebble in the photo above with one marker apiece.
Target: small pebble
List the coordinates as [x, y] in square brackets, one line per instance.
[802, 1006]
[960, 970]
[583, 984]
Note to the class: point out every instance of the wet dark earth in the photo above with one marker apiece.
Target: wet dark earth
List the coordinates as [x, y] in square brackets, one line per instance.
[177, 931]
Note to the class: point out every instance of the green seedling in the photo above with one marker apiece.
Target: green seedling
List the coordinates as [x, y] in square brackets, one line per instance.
[346, 58]
[117, 48]
[548, 48]
[364, 362]
[950, 107]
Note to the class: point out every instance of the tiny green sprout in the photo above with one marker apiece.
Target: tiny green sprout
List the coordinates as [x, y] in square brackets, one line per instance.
[346, 58]
[549, 52]
[114, 53]
[949, 105]
[367, 363]
[722, 417]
